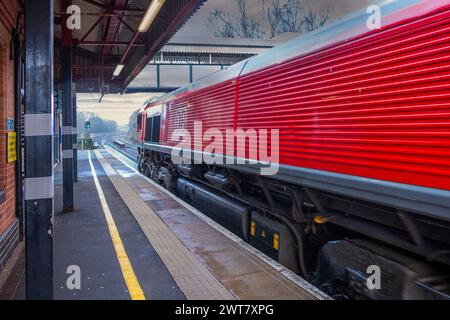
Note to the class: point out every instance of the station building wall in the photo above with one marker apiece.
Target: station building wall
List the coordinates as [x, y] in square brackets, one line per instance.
[9, 226]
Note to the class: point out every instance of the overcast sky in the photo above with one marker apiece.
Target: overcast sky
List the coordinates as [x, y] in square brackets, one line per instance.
[120, 107]
[199, 26]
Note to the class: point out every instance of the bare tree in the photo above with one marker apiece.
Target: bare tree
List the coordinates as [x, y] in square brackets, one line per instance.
[301, 16]
[280, 15]
[313, 19]
[291, 17]
[223, 24]
[274, 16]
[132, 125]
[240, 27]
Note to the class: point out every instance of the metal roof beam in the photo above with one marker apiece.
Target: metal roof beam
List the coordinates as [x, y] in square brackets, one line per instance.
[109, 44]
[128, 10]
[123, 9]
[93, 66]
[150, 89]
[95, 3]
[141, 48]
[110, 13]
[158, 35]
[91, 29]
[127, 25]
[113, 27]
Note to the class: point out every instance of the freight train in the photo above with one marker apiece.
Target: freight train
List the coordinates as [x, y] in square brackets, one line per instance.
[360, 200]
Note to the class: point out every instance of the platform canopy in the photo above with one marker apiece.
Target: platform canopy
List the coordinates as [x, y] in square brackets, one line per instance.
[118, 38]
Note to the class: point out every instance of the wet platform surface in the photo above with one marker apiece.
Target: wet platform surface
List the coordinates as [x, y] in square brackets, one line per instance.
[174, 251]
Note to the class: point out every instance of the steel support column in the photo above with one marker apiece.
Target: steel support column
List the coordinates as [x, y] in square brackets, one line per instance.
[67, 129]
[39, 185]
[158, 76]
[75, 137]
[67, 113]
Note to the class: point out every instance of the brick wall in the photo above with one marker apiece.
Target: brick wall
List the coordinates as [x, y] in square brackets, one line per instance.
[8, 14]
[7, 173]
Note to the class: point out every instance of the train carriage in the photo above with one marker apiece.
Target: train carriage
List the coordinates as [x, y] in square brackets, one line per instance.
[363, 118]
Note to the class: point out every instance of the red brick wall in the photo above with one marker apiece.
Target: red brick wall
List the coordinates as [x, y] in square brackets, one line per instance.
[8, 13]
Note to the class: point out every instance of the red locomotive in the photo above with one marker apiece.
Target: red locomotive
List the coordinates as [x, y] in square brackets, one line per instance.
[364, 148]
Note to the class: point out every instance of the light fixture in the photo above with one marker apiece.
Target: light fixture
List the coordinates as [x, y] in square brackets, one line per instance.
[150, 15]
[118, 70]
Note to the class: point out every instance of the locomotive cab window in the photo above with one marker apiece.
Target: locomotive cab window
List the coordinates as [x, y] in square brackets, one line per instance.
[152, 128]
[139, 122]
[156, 128]
[148, 129]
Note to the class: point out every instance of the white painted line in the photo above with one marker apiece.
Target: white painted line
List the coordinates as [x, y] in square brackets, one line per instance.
[68, 154]
[39, 188]
[38, 125]
[316, 292]
[129, 276]
[194, 279]
[67, 131]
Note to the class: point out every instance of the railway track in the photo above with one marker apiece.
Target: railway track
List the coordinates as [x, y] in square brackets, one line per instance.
[332, 289]
[307, 286]
[109, 141]
[129, 154]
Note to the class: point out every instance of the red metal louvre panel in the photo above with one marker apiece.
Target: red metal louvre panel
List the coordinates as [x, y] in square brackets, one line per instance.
[376, 107]
[212, 106]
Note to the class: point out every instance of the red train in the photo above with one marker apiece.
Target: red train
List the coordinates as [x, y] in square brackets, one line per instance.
[364, 148]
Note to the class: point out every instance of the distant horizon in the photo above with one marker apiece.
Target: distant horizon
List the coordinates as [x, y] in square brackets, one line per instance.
[114, 106]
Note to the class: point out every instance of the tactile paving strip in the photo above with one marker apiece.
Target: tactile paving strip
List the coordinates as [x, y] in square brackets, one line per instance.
[295, 286]
[193, 278]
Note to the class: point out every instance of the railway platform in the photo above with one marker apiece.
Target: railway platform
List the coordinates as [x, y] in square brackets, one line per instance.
[128, 238]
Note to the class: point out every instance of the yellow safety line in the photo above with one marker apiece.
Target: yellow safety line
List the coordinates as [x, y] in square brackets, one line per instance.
[129, 276]
[241, 247]
[193, 278]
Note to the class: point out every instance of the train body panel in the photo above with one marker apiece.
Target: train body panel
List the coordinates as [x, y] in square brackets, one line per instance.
[371, 108]
[363, 120]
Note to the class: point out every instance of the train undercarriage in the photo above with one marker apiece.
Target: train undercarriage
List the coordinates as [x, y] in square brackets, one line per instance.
[351, 249]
